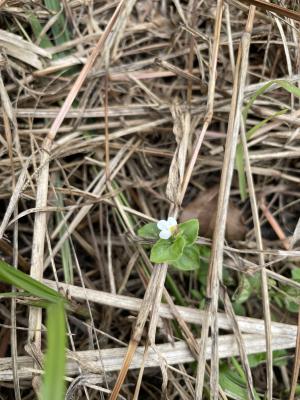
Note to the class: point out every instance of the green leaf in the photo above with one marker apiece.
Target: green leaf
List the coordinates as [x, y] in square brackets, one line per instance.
[189, 230]
[239, 309]
[189, 260]
[244, 291]
[166, 250]
[296, 274]
[54, 378]
[280, 358]
[256, 359]
[149, 231]
[233, 382]
[291, 304]
[12, 276]
[233, 385]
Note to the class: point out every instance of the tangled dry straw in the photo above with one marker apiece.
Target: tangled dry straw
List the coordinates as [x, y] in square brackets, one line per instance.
[118, 113]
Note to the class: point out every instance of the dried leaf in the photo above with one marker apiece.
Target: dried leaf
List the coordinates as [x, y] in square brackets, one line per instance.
[15, 46]
[181, 130]
[204, 207]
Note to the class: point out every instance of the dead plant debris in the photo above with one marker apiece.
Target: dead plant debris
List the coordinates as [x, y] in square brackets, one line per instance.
[119, 113]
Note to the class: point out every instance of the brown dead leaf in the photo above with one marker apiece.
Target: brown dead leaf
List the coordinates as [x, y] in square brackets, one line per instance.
[15, 46]
[181, 130]
[204, 207]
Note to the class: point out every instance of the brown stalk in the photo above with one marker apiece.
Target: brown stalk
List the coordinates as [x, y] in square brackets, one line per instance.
[190, 167]
[191, 44]
[240, 342]
[138, 330]
[210, 98]
[107, 171]
[275, 225]
[215, 269]
[264, 277]
[282, 11]
[14, 250]
[179, 72]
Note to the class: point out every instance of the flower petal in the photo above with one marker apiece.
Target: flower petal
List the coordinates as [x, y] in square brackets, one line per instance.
[162, 224]
[165, 234]
[171, 222]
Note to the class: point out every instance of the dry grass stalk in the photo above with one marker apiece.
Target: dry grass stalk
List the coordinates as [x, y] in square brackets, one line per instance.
[240, 342]
[37, 260]
[116, 164]
[282, 11]
[215, 272]
[112, 359]
[272, 221]
[266, 302]
[21, 49]
[296, 363]
[188, 314]
[8, 133]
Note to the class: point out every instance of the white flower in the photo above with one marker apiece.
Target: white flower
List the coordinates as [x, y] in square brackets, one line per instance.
[166, 228]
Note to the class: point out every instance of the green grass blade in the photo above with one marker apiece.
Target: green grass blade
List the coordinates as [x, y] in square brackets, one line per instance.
[233, 382]
[289, 87]
[173, 288]
[66, 254]
[233, 388]
[54, 378]
[239, 162]
[254, 97]
[239, 165]
[255, 128]
[37, 28]
[60, 30]
[12, 276]
[14, 295]
[281, 83]
[27, 299]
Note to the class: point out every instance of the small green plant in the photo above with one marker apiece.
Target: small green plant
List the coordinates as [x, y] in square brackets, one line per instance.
[175, 243]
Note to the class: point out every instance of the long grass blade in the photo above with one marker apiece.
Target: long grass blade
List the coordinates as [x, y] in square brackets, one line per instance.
[12, 276]
[54, 381]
